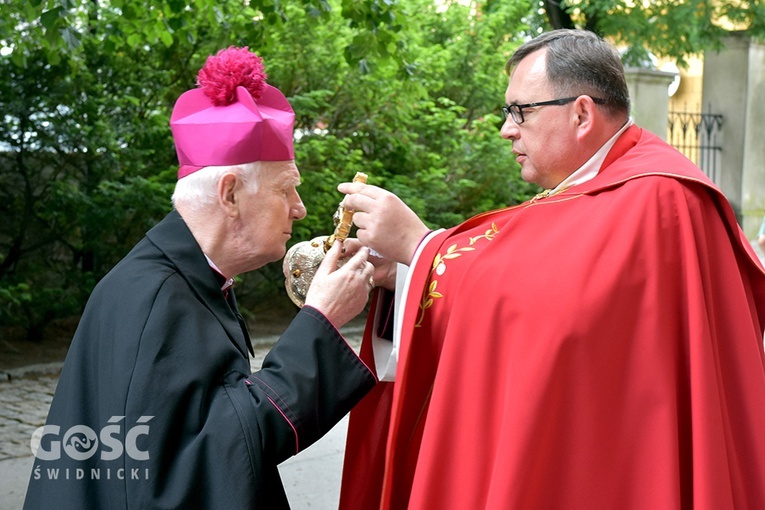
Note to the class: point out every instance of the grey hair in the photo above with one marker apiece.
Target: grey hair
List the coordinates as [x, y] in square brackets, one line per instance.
[580, 62]
[200, 188]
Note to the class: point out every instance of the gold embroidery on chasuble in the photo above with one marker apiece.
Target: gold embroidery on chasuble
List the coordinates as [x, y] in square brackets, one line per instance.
[439, 267]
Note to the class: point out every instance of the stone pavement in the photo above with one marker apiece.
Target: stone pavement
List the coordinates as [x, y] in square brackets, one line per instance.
[311, 478]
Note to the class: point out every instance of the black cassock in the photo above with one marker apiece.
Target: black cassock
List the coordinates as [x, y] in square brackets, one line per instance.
[156, 406]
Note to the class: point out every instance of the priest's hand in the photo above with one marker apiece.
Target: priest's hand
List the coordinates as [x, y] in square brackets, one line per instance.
[341, 293]
[385, 223]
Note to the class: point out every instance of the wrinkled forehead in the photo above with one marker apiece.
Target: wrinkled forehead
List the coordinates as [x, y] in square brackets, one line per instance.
[284, 173]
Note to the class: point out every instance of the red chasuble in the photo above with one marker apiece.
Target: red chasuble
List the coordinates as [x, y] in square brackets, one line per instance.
[596, 349]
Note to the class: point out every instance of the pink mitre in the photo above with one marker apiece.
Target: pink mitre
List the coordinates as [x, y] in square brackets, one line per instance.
[233, 117]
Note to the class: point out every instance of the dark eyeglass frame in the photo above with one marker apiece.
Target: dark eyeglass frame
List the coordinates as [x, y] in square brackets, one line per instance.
[515, 111]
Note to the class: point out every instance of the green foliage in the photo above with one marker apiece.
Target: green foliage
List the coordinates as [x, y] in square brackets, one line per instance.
[668, 28]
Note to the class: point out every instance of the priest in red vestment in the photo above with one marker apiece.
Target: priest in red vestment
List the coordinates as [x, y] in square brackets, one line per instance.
[597, 347]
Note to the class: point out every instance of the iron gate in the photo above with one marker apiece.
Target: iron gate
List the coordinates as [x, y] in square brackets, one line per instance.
[697, 136]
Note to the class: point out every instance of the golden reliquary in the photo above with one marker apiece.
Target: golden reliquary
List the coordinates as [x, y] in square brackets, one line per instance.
[302, 260]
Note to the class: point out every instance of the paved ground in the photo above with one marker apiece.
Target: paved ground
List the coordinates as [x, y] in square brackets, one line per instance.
[312, 478]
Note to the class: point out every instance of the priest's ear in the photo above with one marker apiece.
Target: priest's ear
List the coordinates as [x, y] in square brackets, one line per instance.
[585, 115]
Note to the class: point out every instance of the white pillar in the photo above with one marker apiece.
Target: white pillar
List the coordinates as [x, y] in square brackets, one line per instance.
[734, 86]
[649, 93]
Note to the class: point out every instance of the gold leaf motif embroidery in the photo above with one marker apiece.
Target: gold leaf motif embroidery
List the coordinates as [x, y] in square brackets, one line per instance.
[439, 267]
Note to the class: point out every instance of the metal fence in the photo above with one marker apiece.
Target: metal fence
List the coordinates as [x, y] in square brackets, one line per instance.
[697, 135]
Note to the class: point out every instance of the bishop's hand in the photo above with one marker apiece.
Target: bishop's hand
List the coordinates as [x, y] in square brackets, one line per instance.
[341, 293]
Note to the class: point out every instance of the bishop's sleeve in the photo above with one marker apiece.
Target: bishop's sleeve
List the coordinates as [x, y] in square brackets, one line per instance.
[310, 379]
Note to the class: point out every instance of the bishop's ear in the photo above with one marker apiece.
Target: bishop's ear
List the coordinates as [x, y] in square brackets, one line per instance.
[229, 186]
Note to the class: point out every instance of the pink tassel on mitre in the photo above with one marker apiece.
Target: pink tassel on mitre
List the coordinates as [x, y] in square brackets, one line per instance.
[228, 69]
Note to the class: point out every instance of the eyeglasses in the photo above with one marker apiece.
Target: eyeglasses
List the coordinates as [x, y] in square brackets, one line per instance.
[516, 110]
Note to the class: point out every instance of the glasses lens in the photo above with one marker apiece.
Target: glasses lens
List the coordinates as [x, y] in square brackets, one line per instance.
[516, 113]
